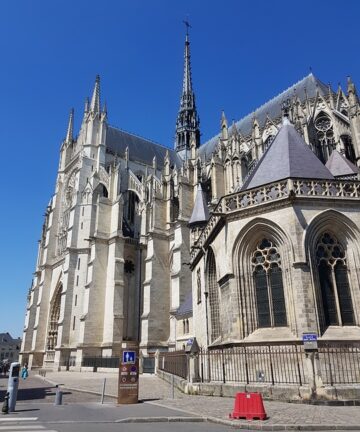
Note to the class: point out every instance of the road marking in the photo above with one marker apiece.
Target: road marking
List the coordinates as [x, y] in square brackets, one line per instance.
[19, 419]
[21, 427]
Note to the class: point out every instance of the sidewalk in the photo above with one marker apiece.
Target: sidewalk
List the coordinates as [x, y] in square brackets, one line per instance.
[157, 393]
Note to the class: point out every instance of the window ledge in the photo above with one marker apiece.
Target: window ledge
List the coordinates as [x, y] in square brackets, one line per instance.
[271, 334]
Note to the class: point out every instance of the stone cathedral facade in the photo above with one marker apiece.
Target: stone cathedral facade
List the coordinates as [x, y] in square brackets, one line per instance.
[251, 236]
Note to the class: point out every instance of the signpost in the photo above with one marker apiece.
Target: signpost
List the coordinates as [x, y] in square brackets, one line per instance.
[310, 341]
[128, 389]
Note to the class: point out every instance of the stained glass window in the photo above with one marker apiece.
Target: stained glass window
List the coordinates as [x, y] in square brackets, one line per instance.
[337, 306]
[269, 290]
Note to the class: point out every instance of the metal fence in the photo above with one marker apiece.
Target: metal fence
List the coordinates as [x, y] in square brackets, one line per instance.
[101, 362]
[340, 363]
[272, 364]
[174, 362]
[149, 364]
[68, 362]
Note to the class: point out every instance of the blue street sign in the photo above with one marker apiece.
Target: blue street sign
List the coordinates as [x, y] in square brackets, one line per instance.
[129, 357]
[309, 337]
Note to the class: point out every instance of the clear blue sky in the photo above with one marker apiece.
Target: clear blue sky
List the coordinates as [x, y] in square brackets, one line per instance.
[243, 53]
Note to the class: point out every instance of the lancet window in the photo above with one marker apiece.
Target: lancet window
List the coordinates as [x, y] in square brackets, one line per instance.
[337, 306]
[349, 148]
[213, 289]
[174, 203]
[269, 290]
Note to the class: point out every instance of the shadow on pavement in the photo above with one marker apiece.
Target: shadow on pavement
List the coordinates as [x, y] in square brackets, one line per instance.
[148, 399]
[26, 410]
[30, 392]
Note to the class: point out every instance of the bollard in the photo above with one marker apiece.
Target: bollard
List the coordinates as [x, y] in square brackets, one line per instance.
[5, 407]
[103, 391]
[58, 395]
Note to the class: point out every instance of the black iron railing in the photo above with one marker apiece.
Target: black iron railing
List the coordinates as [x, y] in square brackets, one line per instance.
[101, 362]
[340, 363]
[274, 364]
[69, 361]
[174, 362]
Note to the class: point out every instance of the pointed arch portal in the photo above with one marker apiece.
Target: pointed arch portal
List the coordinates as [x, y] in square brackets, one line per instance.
[52, 334]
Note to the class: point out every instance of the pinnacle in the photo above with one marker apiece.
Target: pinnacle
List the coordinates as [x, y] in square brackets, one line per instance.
[70, 129]
[95, 100]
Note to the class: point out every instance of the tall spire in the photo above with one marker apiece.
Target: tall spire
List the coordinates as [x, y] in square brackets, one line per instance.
[187, 123]
[95, 100]
[187, 83]
[70, 129]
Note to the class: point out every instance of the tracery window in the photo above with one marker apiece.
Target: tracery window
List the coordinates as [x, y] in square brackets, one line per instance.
[213, 297]
[325, 137]
[269, 290]
[337, 307]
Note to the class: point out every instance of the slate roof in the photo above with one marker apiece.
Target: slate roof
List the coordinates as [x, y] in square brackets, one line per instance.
[338, 165]
[307, 86]
[6, 338]
[140, 149]
[186, 306]
[200, 213]
[288, 156]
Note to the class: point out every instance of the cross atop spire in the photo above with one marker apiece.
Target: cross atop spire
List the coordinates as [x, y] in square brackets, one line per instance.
[187, 24]
[187, 123]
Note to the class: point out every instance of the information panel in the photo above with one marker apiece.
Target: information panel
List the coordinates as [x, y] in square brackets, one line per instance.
[128, 392]
[310, 341]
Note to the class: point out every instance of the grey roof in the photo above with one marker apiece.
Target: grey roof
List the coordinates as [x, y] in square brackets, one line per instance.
[338, 165]
[307, 86]
[186, 306]
[140, 149]
[288, 156]
[200, 213]
[7, 338]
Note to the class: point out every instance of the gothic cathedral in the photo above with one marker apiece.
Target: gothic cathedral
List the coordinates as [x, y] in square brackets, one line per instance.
[251, 236]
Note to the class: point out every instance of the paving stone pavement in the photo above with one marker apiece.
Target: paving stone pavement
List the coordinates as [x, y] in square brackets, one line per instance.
[280, 414]
[151, 387]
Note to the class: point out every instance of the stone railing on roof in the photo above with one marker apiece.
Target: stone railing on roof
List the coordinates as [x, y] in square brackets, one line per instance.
[289, 188]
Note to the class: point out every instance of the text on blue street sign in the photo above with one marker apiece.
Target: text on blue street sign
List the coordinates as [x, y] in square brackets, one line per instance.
[129, 357]
[310, 337]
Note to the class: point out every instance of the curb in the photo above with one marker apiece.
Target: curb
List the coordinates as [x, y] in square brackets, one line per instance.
[280, 427]
[162, 420]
